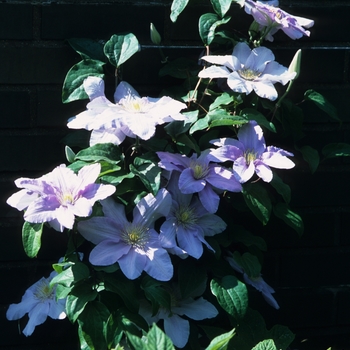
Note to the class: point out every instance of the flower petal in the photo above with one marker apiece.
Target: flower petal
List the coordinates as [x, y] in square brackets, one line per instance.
[177, 329]
[108, 252]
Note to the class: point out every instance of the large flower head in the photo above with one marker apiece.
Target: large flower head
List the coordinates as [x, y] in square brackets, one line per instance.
[250, 154]
[60, 195]
[188, 223]
[176, 327]
[38, 301]
[267, 14]
[199, 175]
[134, 245]
[131, 115]
[247, 70]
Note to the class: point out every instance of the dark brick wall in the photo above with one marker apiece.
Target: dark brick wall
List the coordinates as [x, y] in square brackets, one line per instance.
[310, 274]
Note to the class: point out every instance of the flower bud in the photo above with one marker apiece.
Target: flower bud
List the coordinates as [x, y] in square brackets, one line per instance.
[155, 36]
[70, 155]
[294, 66]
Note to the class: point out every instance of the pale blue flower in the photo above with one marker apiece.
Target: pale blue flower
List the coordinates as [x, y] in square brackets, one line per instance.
[134, 245]
[247, 70]
[60, 195]
[131, 115]
[188, 223]
[257, 282]
[176, 327]
[38, 301]
[250, 154]
[267, 14]
[200, 176]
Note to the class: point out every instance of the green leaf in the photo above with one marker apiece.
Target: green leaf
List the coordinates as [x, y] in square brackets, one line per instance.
[181, 68]
[92, 322]
[247, 238]
[125, 288]
[221, 342]
[311, 156]
[281, 188]
[208, 22]
[71, 275]
[73, 88]
[192, 279]
[157, 339]
[177, 7]
[223, 99]
[77, 299]
[321, 102]
[267, 344]
[88, 48]
[282, 211]
[221, 6]
[249, 262]
[200, 124]
[281, 335]
[148, 171]
[252, 114]
[333, 150]
[31, 238]
[119, 48]
[156, 294]
[100, 152]
[231, 295]
[258, 201]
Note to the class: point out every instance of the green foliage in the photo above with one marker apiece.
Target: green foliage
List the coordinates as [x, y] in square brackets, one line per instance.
[119, 48]
[177, 7]
[231, 295]
[73, 88]
[221, 341]
[207, 26]
[31, 238]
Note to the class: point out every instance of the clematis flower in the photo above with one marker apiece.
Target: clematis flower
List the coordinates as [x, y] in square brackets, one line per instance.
[59, 196]
[130, 115]
[177, 328]
[134, 245]
[250, 154]
[199, 176]
[269, 15]
[188, 223]
[247, 70]
[38, 301]
[257, 282]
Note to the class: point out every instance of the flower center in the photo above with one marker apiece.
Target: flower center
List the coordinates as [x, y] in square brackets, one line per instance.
[136, 236]
[67, 198]
[135, 104]
[248, 74]
[250, 156]
[199, 170]
[44, 291]
[185, 216]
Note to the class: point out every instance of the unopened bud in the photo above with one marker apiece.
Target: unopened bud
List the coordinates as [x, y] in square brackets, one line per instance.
[70, 155]
[294, 66]
[155, 36]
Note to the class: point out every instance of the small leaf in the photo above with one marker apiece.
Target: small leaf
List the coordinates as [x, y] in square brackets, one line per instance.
[73, 88]
[31, 238]
[100, 152]
[221, 342]
[281, 335]
[208, 22]
[333, 150]
[252, 114]
[321, 102]
[119, 48]
[267, 344]
[177, 7]
[157, 339]
[231, 295]
[88, 48]
[311, 156]
[281, 188]
[258, 201]
[292, 219]
[221, 6]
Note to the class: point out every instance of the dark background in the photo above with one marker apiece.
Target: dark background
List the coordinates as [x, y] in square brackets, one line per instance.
[311, 274]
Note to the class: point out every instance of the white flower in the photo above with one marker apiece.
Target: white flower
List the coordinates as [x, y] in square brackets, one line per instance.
[247, 70]
[131, 115]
